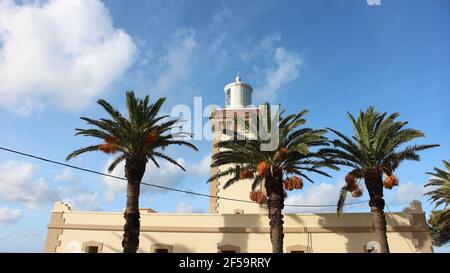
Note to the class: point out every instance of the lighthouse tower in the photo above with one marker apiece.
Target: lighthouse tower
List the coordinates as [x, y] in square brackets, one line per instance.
[238, 94]
[238, 99]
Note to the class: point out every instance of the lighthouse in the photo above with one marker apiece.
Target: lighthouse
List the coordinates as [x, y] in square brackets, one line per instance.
[238, 94]
[235, 116]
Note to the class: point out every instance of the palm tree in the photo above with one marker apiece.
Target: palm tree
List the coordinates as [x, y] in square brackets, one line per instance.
[374, 150]
[291, 160]
[440, 219]
[141, 136]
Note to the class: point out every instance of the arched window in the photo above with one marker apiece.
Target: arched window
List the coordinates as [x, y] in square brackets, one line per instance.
[247, 122]
[228, 249]
[161, 248]
[228, 97]
[296, 249]
[247, 97]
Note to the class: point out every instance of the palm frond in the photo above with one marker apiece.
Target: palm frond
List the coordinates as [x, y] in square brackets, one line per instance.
[296, 153]
[81, 151]
[116, 161]
[341, 201]
[168, 158]
[134, 136]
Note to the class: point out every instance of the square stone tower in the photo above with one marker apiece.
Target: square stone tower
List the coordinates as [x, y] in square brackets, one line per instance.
[236, 116]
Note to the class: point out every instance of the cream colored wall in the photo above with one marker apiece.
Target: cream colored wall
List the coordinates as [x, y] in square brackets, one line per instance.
[205, 232]
[239, 190]
[229, 220]
[187, 242]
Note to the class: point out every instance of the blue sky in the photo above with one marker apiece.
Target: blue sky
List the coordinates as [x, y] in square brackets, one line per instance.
[58, 57]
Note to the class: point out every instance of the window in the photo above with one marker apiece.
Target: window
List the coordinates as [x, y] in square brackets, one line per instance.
[371, 249]
[247, 122]
[228, 97]
[257, 124]
[229, 127]
[161, 250]
[247, 97]
[224, 126]
[296, 249]
[228, 249]
[92, 249]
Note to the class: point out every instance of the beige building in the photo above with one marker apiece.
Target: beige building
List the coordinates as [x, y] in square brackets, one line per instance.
[232, 226]
[76, 231]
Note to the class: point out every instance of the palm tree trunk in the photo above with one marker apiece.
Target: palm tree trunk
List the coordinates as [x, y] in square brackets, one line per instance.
[374, 184]
[134, 171]
[275, 205]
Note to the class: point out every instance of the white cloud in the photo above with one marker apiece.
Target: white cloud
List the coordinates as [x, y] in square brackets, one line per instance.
[183, 207]
[223, 14]
[84, 201]
[110, 194]
[9, 216]
[407, 192]
[319, 194]
[287, 69]
[325, 194]
[18, 184]
[74, 192]
[175, 65]
[202, 168]
[59, 52]
[167, 175]
[64, 176]
[151, 199]
[265, 49]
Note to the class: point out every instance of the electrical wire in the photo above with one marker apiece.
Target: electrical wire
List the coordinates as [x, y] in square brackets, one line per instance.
[398, 225]
[159, 186]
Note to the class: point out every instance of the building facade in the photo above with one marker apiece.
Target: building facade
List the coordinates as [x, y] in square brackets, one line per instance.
[231, 226]
[77, 231]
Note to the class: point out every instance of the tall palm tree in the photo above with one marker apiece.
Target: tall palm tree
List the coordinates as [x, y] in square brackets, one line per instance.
[374, 150]
[140, 137]
[276, 170]
[440, 219]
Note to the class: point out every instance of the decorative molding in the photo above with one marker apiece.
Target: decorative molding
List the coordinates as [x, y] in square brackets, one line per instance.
[229, 113]
[362, 229]
[214, 185]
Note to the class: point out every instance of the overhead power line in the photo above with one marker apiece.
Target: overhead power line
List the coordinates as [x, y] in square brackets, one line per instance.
[159, 186]
[398, 225]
